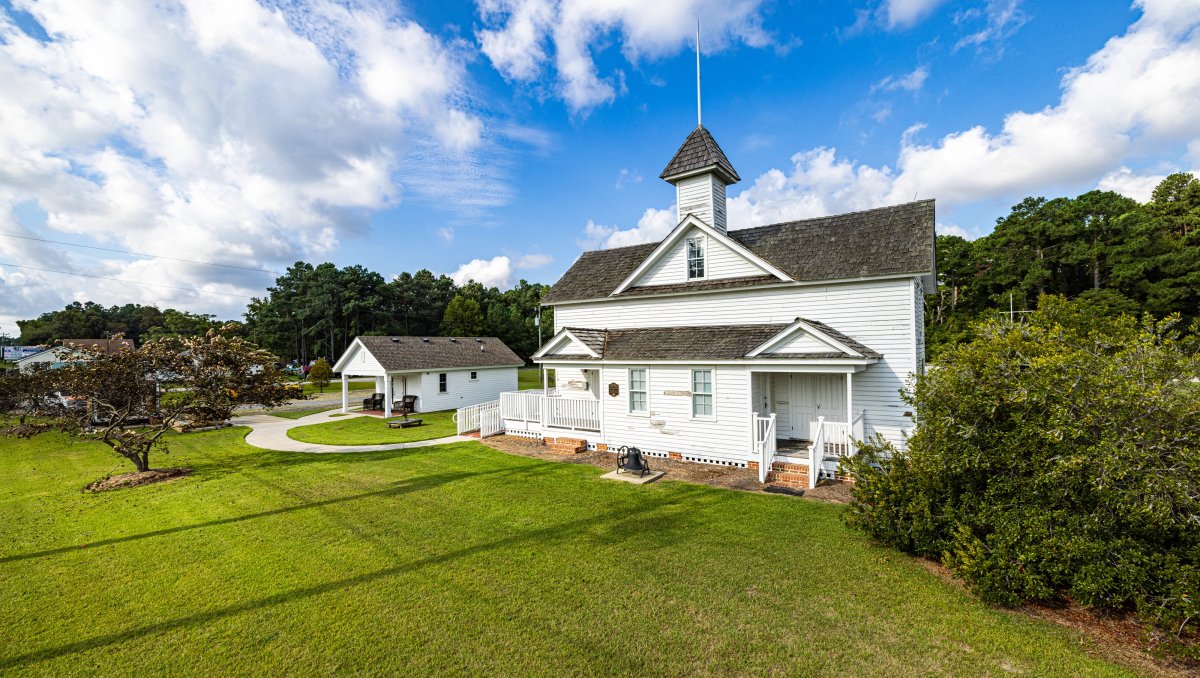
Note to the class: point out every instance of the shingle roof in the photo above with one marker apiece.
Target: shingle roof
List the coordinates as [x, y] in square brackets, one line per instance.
[718, 284]
[597, 273]
[708, 342]
[437, 353]
[593, 339]
[842, 338]
[700, 151]
[884, 241]
[104, 345]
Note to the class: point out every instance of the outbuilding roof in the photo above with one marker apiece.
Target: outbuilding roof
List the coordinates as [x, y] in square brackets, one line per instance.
[885, 241]
[439, 353]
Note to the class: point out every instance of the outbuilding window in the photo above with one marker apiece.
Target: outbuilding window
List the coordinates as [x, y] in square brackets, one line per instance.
[695, 258]
[442, 382]
[474, 376]
[639, 395]
[702, 393]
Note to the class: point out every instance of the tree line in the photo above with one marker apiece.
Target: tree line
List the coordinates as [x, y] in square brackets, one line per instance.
[316, 311]
[1107, 252]
[92, 321]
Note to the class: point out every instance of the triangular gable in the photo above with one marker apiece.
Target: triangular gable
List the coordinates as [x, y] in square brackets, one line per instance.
[674, 241]
[804, 338]
[566, 343]
[352, 356]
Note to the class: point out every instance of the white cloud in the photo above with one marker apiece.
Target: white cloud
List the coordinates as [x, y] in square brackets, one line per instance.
[531, 261]
[654, 225]
[494, 272]
[909, 82]
[1130, 184]
[499, 270]
[1081, 141]
[1002, 19]
[627, 176]
[446, 233]
[522, 38]
[226, 130]
[906, 13]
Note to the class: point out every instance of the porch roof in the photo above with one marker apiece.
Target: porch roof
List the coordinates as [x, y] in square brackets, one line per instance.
[707, 342]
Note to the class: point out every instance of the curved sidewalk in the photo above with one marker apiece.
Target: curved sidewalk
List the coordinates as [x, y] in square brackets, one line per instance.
[270, 433]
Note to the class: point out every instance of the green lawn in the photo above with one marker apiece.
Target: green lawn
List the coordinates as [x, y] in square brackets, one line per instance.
[529, 377]
[297, 414]
[335, 386]
[373, 430]
[459, 559]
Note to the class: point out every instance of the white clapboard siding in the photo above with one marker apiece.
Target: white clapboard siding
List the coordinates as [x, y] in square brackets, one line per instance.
[461, 391]
[571, 383]
[877, 313]
[669, 426]
[720, 262]
[568, 346]
[802, 342]
[362, 363]
[702, 196]
[919, 303]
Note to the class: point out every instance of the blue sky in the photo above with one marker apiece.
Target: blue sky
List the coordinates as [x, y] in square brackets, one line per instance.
[497, 139]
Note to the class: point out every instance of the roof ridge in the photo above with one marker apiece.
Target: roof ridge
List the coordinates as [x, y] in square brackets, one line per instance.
[732, 231]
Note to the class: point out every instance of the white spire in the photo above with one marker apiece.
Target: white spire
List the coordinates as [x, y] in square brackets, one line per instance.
[699, 120]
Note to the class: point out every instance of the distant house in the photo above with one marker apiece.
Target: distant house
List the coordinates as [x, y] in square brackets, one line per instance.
[72, 351]
[440, 372]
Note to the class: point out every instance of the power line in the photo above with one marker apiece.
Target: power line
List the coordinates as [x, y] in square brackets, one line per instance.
[137, 254]
[128, 282]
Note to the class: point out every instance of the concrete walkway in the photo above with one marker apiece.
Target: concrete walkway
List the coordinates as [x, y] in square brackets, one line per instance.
[270, 433]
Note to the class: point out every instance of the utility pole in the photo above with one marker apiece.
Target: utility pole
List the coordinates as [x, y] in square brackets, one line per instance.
[537, 322]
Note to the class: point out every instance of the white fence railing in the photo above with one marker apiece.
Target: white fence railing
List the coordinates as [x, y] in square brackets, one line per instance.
[470, 418]
[524, 406]
[764, 444]
[490, 423]
[532, 407]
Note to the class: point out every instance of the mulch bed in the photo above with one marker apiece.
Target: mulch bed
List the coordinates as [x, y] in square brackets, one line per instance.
[137, 478]
[729, 477]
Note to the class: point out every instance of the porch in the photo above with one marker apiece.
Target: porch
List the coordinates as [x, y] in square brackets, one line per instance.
[804, 418]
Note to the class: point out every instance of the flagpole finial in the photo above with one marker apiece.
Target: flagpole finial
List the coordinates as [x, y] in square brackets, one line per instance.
[699, 119]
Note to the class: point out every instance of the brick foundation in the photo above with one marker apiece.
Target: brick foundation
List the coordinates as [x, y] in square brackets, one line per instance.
[566, 445]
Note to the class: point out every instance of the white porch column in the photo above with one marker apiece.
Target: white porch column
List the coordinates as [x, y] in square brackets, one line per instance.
[545, 381]
[387, 395]
[849, 397]
[345, 393]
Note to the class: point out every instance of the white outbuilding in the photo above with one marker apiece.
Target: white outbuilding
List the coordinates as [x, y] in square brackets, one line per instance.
[440, 373]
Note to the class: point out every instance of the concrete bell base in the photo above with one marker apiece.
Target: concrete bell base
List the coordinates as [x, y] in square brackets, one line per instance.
[634, 478]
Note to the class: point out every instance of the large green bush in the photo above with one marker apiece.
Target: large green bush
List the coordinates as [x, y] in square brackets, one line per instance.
[1059, 455]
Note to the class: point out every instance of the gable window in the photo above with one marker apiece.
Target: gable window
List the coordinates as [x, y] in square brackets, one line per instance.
[702, 393]
[442, 382]
[639, 394]
[474, 376]
[695, 258]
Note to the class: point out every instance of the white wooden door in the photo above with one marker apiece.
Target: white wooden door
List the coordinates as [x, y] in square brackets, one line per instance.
[817, 395]
[781, 402]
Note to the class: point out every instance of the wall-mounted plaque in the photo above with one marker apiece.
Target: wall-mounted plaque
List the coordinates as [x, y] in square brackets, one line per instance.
[614, 390]
[678, 393]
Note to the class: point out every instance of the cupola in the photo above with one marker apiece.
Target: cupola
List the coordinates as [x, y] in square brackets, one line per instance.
[700, 172]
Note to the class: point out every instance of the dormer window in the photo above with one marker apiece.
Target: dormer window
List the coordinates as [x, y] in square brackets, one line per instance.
[695, 258]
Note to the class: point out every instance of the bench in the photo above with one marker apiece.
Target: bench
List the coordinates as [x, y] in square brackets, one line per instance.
[404, 423]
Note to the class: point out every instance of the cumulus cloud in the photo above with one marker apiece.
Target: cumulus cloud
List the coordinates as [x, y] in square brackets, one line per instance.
[230, 131]
[1084, 140]
[654, 225]
[499, 270]
[524, 38]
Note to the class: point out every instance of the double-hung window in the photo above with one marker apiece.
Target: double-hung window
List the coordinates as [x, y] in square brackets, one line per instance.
[442, 382]
[702, 393]
[639, 392]
[695, 258]
[474, 376]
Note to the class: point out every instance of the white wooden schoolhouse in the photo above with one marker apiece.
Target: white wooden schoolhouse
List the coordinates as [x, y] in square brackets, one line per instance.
[738, 344]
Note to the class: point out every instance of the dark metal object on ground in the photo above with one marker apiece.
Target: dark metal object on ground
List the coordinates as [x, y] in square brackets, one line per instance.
[631, 460]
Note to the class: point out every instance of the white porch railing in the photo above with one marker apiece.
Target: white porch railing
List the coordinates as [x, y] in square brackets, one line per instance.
[764, 444]
[532, 407]
[832, 438]
[471, 418]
